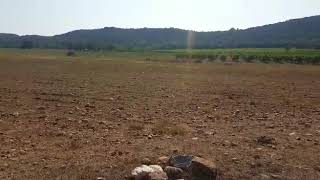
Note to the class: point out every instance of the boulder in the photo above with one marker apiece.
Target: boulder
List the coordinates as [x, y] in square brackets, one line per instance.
[152, 172]
[174, 173]
[202, 169]
[181, 161]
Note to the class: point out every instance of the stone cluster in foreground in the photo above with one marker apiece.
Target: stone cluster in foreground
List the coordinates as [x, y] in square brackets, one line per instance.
[180, 167]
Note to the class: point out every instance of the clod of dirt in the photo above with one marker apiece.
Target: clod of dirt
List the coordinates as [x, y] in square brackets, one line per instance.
[146, 161]
[163, 161]
[41, 108]
[15, 114]
[88, 105]
[265, 140]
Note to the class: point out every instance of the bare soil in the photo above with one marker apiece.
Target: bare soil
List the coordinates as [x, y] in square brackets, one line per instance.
[87, 119]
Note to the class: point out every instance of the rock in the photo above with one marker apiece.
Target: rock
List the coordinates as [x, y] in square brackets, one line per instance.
[201, 169]
[175, 151]
[252, 103]
[139, 173]
[146, 161]
[163, 161]
[15, 114]
[173, 172]
[152, 172]
[292, 134]
[181, 161]
[275, 176]
[158, 176]
[88, 105]
[235, 159]
[101, 178]
[264, 177]
[41, 108]
[209, 133]
[156, 168]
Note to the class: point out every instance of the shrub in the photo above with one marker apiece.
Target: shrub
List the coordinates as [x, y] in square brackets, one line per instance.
[316, 60]
[223, 58]
[277, 59]
[235, 58]
[246, 59]
[265, 59]
[298, 60]
[71, 53]
[212, 57]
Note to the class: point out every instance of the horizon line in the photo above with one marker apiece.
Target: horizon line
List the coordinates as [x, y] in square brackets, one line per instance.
[139, 28]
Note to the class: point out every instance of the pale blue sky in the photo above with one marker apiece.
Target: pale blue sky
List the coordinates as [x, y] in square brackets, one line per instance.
[49, 17]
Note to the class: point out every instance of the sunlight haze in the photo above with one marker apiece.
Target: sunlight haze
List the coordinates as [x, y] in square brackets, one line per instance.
[52, 17]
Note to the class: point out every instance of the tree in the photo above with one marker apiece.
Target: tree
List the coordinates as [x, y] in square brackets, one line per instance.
[26, 45]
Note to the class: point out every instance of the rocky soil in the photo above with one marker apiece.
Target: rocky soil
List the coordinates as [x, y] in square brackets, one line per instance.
[99, 119]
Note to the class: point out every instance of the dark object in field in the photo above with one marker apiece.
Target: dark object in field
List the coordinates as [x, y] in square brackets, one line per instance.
[71, 53]
[196, 168]
[265, 140]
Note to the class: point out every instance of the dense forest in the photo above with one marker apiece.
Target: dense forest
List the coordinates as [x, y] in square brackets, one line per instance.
[297, 33]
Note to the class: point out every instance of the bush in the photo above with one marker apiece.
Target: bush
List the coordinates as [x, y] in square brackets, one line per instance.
[223, 58]
[235, 58]
[249, 58]
[212, 58]
[71, 53]
[277, 59]
[316, 60]
[265, 59]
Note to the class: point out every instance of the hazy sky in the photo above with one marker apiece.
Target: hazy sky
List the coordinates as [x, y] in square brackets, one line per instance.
[49, 17]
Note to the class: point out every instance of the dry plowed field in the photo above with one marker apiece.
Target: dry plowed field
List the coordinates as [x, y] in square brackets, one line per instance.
[84, 119]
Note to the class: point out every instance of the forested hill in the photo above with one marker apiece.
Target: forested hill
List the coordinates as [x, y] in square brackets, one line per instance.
[299, 33]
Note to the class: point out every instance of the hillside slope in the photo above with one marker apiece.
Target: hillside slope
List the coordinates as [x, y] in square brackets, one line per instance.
[300, 33]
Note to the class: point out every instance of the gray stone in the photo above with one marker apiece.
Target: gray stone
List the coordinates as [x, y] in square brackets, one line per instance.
[174, 173]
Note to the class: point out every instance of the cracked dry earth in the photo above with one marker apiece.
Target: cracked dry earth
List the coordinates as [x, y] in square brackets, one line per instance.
[87, 119]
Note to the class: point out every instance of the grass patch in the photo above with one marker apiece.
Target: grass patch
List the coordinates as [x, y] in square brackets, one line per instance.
[167, 127]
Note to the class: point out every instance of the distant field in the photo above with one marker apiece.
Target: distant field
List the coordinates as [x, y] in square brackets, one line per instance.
[290, 56]
[93, 55]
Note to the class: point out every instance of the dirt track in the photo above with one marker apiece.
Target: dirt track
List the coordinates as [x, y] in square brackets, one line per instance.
[83, 120]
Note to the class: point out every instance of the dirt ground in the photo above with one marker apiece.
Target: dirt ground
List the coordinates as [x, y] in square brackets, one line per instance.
[87, 119]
